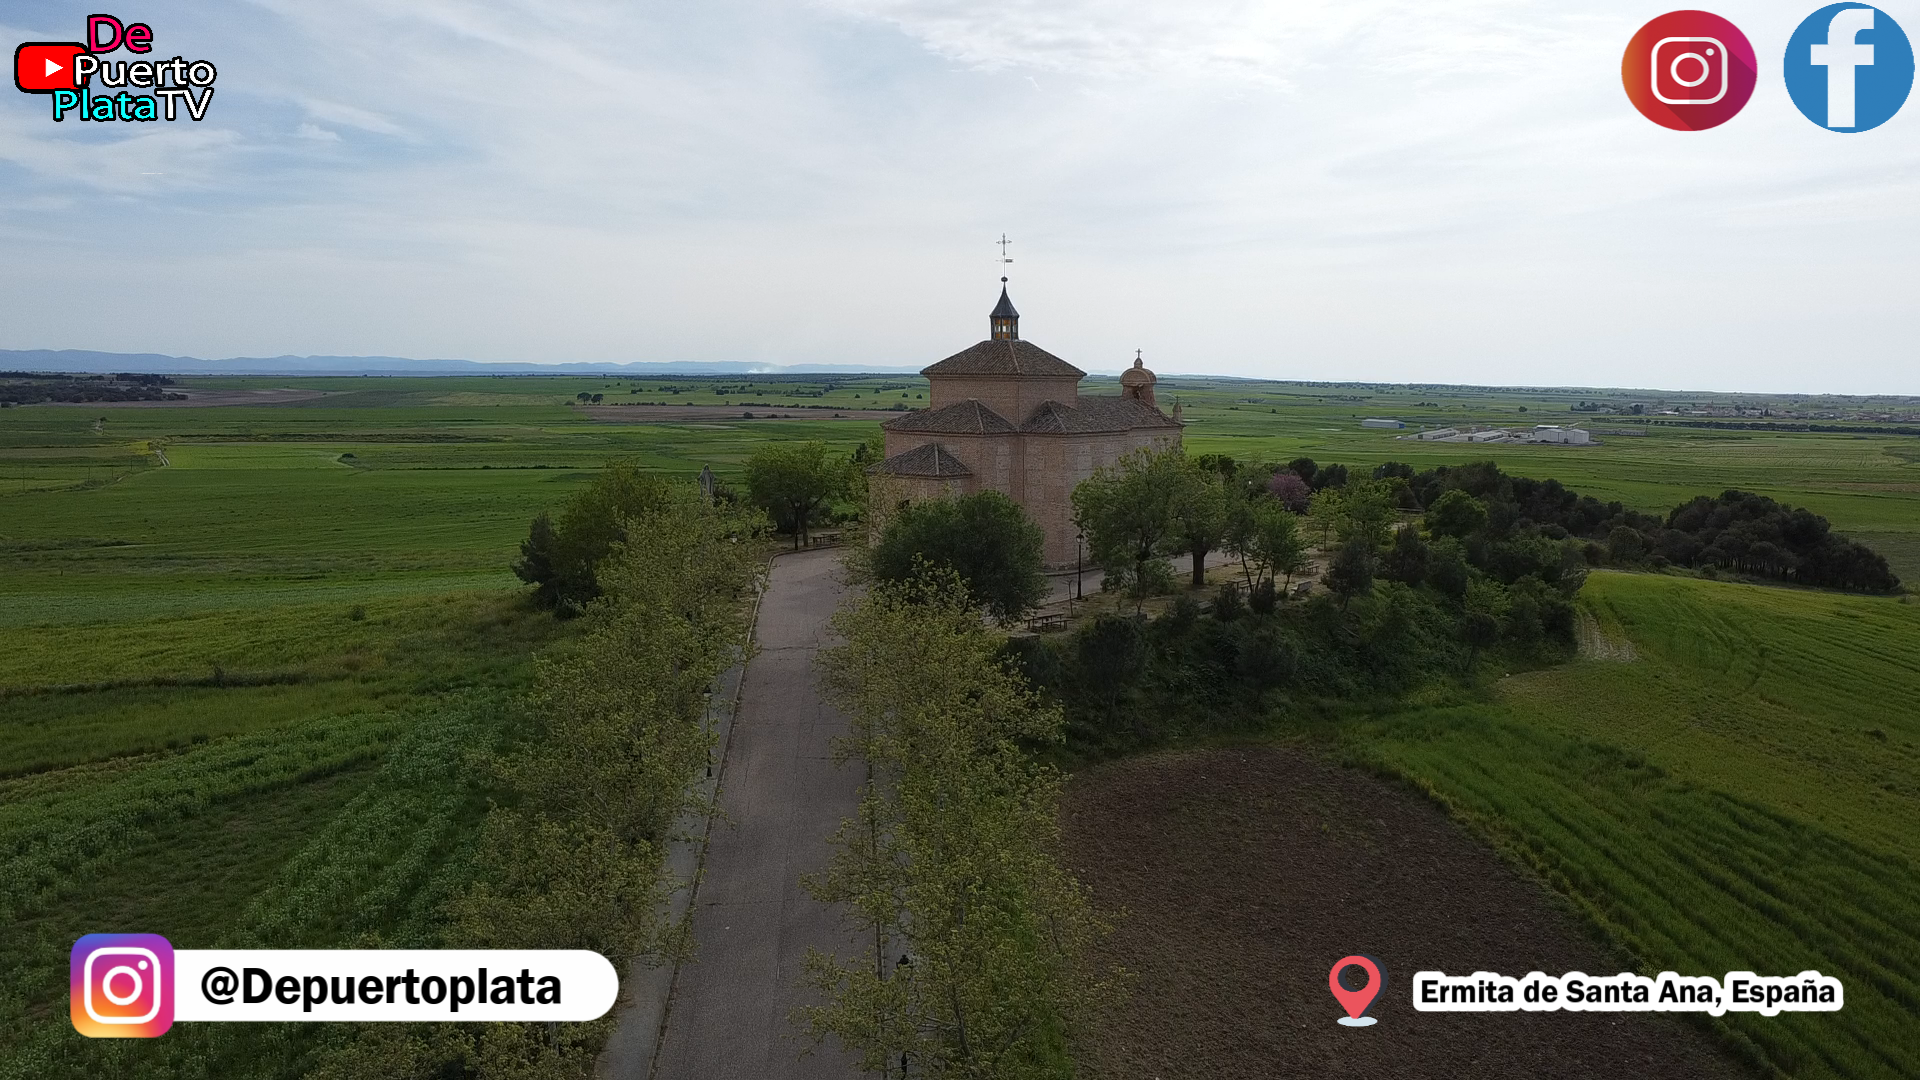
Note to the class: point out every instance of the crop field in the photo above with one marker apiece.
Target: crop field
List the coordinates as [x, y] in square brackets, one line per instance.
[226, 631]
[1742, 794]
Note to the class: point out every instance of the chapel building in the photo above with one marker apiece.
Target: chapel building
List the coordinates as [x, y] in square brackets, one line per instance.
[1006, 415]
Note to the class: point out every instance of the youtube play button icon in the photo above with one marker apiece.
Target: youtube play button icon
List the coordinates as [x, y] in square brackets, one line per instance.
[41, 67]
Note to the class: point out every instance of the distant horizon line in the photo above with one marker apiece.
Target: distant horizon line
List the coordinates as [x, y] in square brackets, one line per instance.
[318, 365]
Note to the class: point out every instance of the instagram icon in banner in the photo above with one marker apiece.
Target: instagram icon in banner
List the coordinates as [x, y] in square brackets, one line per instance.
[122, 986]
[1689, 70]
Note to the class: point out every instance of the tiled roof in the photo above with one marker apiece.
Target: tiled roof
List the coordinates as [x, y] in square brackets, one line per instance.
[1092, 414]
[929, 460]
[967, 417]
[1011, 357]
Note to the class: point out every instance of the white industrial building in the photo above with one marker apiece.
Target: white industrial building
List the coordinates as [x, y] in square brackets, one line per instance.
[1377, 423]
[1554, 433]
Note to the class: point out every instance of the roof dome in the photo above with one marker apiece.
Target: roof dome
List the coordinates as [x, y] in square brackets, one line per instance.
[1137, 382]
[1137, 375]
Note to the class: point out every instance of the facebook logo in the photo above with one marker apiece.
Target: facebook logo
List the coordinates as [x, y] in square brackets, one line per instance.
[1849, 67]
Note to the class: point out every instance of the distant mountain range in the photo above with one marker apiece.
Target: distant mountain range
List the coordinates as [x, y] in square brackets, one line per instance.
[76, 361]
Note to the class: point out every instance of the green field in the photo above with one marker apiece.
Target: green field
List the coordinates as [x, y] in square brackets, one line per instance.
[1743, 794]
[217, 623]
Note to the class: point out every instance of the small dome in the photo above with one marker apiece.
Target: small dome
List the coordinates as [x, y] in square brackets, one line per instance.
[1137, 381]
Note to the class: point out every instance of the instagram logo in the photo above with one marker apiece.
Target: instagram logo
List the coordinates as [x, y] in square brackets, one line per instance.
[1689, 70]
[122, 986]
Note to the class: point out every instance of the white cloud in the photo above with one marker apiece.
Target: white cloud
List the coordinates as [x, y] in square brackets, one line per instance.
[1371, 189]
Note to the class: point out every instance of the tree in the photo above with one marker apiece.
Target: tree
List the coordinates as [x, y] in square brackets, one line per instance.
[1221, 465]
[537, 562]
[1366, 513]
[1456, 514]
[1292, 491]
[1200, 514]
[1266, 537]
[1486, 607]
[1626, 545]
[616, 731]
[1127, 513]
[986, 539]
[1304, 468]
[1350, 574]
[563, 558]
[1408, 558]
[1327, 512]
[792, 480]
[949, 858]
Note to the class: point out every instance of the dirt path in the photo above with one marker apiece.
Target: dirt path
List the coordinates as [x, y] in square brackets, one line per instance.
[1247, 872]
[1596, 644]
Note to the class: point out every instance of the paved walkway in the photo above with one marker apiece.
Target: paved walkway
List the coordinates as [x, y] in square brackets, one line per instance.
[781, 797]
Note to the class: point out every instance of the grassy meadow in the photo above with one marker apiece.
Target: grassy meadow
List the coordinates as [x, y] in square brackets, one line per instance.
[229, 636]
[1737, 790]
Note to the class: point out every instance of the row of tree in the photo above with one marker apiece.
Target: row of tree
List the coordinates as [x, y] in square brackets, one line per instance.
[572, 853]
[1155, 504]
[974, 967]
[1736, 531]
[792, 482]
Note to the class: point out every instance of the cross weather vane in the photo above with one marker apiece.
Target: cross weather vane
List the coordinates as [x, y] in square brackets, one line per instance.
[1003, 242]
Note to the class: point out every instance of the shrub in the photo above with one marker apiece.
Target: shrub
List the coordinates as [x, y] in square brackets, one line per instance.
[986, 539]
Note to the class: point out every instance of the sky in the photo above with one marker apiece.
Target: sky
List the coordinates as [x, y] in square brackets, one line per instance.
[1366, 190]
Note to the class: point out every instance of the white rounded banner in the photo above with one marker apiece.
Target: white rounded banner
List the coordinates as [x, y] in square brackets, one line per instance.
[406, 985]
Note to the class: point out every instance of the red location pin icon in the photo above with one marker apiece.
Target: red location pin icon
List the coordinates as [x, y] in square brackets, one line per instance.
[1356, 1002]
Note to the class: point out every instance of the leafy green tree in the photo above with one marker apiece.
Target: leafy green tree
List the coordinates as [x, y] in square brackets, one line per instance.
[1350, 573]
[1201, 515]
[573, 856]
[792, 480]
[1456, 514]
[1127, 512]
[563, 558]
[1408, 558]
[1266, 537]
[1626, 545]
[1447, 569]
[1227, 469]
[1327, 513]
[537, 564]
[986, 539]
[948, 859]
[1366, 513]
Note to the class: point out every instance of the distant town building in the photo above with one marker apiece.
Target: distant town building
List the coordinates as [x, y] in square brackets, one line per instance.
[1006, 415]
[1554, 433]
[1437, 434]
[1391, 424]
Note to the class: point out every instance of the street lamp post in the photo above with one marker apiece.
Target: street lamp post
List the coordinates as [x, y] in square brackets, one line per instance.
[1079, 538]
